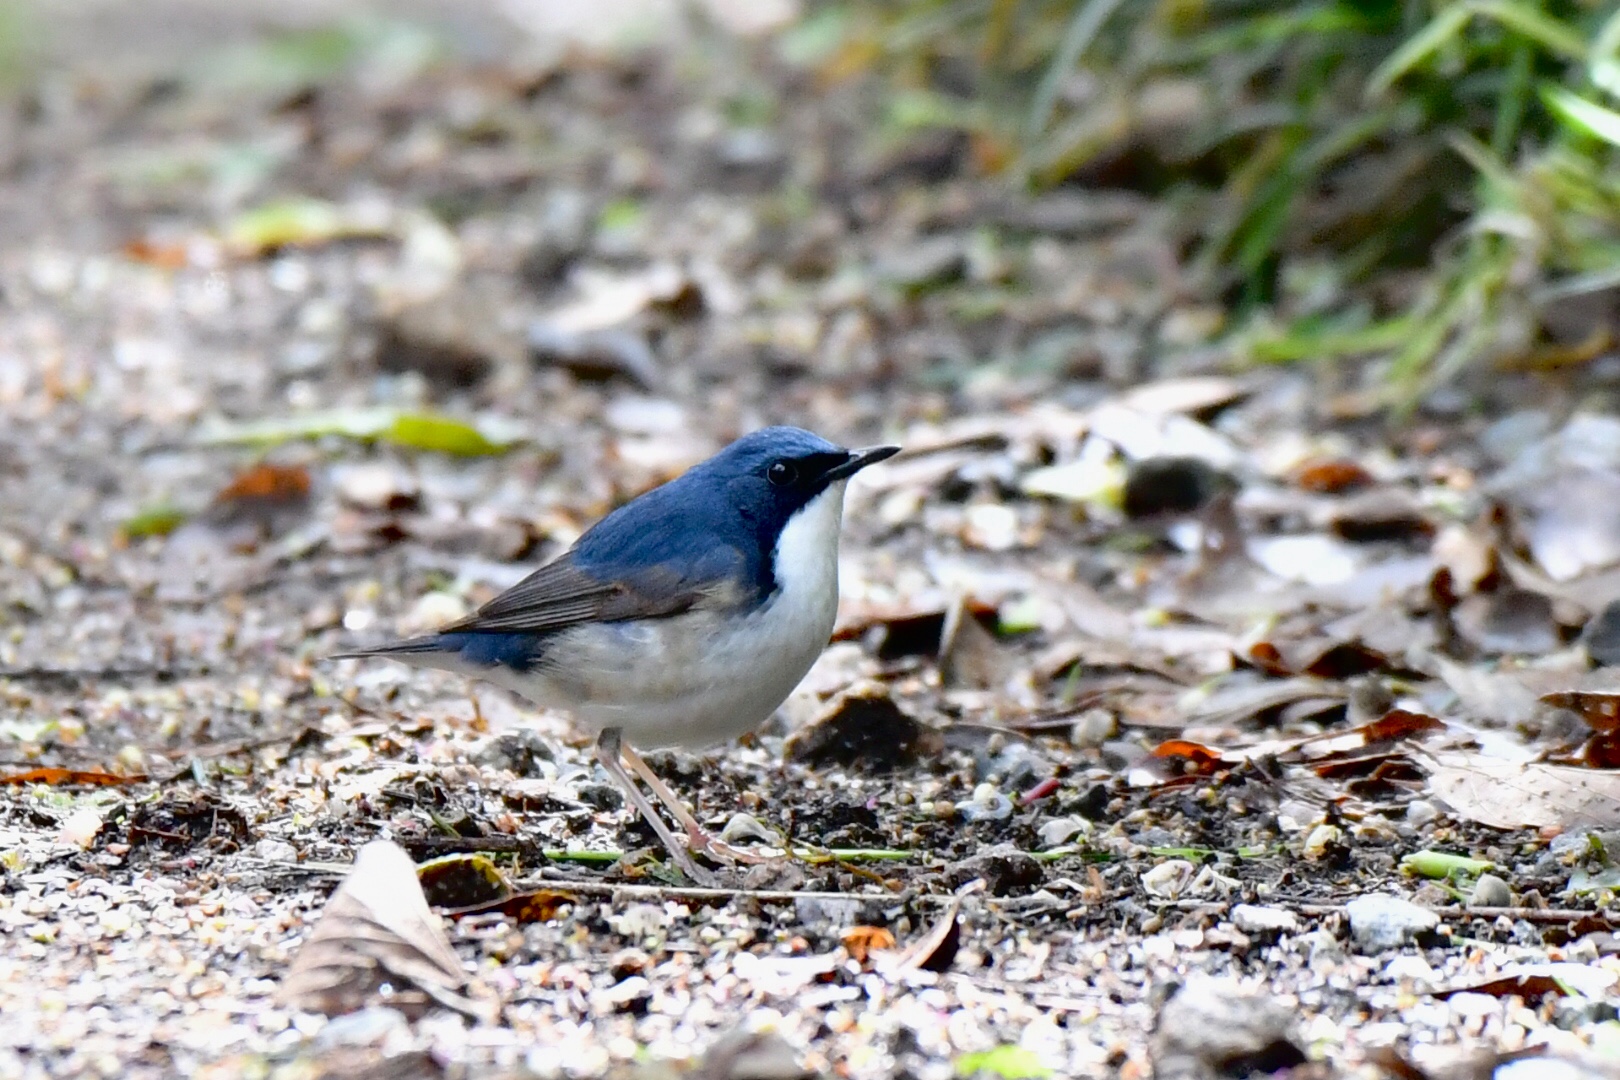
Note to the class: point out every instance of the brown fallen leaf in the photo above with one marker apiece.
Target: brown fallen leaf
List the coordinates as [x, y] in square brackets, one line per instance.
[935, 950]
[1332, 476]
[64, 777]
[861, 941]
[541, 905]
[1601, 711]
[1195, 758]
[1518, 795]
[376, 931]
[267, 482]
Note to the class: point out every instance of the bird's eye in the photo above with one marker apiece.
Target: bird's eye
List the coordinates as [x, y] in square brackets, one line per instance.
[782, 473]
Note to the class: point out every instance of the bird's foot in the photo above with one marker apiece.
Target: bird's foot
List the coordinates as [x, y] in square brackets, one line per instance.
[717, 848]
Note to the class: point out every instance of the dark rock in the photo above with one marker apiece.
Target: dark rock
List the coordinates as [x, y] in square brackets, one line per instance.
[1602, 636]
[1172, 485]
[863, 730]
[1210, 1028]
[521, 751]
[1004, 869]
[456, 339]
[600, 796]
[926, 265]
[1511, 620]
[595, 355]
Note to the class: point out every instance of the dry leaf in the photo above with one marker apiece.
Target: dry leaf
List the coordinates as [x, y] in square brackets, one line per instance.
[861, 941]
[541, 905]
[1517, 795]
[935, 950]
[377, 930]
[1332, 476]
[61, 777]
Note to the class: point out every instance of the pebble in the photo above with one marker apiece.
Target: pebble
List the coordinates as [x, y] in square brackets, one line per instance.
[1323, 841]
[1004, 869]
[275, 851]
[1092, 728]
[1258, 920]
[1379, 922]
[1421, 812]
[1062, 830]
[1490, 891]
[1168, 880]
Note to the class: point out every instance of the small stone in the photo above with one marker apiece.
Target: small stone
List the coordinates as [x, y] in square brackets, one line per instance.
[457, 339]
[1602, 636]
[930, 264]
[1323, 841]
[378, 486]
[1490, 891]
[600, 796]
[1061, 830]
[1421, 812]
[275, 851]
[1379, 922]
[1169, 879]
[750, 1055]
[1004, 868]
[1259, 921]
[1092, 728]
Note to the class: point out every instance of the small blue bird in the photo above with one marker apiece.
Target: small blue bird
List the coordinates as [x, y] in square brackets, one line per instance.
[683, 618]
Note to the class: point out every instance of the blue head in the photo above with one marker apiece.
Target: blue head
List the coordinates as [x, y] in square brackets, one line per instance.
[740, 500]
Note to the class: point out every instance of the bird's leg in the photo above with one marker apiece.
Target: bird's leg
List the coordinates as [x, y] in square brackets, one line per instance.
[699, 838]
[608, 748]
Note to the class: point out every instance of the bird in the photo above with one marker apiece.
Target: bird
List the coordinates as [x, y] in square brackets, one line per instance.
[683, 618]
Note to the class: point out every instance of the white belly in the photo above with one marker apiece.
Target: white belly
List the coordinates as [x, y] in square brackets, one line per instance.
[705, 676]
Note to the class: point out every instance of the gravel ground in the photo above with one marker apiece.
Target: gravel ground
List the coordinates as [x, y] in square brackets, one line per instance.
[219, 269]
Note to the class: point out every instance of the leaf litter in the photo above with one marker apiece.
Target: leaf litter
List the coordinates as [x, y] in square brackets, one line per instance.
[1145, 672]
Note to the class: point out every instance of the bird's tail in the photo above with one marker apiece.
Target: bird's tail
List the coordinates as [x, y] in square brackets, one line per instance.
[458, 651]
[432, 643]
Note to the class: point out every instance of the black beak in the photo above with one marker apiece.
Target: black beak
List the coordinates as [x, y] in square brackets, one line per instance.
[860, 459]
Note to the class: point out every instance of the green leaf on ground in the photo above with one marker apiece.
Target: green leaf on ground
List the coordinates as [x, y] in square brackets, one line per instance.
[159, 520]
[1007, 1062]
[418, 431]
[1441, 865]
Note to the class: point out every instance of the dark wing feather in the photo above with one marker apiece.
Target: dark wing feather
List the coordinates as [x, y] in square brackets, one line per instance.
[562, 593]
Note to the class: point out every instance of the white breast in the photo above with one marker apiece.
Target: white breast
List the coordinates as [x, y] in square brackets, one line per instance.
[705, 676]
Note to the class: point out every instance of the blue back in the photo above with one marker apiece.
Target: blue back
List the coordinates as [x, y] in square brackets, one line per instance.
[719, 520]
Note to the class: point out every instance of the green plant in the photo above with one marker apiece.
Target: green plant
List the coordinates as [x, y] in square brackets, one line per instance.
[1473, 141]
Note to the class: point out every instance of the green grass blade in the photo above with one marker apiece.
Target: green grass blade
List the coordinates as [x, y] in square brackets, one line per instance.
[1535, 24]
[1583, 116]
[1089, 19]
[1419, 47]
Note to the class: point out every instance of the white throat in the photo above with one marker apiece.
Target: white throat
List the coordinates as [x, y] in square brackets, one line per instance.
[807, 553]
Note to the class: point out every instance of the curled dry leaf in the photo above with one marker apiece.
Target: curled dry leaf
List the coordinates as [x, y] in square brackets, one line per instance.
[935, 950]
[377, 930]
[541, 905]
[463, 880]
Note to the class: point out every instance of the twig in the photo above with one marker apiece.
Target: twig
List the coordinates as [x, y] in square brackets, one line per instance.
[1552, 916]
[75, 676]
[719, 896]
